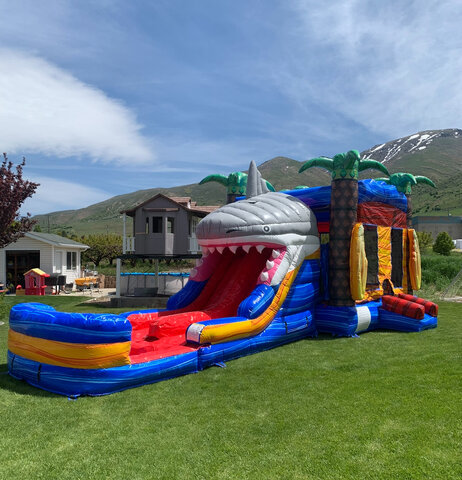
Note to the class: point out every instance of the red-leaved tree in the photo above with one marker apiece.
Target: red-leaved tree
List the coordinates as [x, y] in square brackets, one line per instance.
[14, 190]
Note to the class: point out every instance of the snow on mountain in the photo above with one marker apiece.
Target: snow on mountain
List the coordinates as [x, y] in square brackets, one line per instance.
[410, 144]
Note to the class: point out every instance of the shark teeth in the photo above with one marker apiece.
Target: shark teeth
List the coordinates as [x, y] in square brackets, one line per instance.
[211, 249]
[260, 248]
[233, 248]
[247, 248]
[269, 264]
[275, 253]
[264, 276]
[221, 250]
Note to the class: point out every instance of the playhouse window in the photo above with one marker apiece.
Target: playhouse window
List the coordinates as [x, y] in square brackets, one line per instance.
[71, 263]
[170, 225]
[156, 224]
[397, 256]
[146, 227]
[371, 241]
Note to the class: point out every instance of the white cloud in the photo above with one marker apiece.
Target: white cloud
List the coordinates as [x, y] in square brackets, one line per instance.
[393, 67]
[44, 109]
[54, 195]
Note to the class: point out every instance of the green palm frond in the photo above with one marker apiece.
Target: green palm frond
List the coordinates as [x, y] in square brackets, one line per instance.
[426, 180]
[321, 162]
[366, 164]
[223, 179]
[404, 181]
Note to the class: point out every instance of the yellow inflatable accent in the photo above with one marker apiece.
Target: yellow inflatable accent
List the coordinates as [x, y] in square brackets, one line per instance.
[72, 355]
[358, 263]
[405, 264]
[415, 269]
[249, 328]
[384, 247]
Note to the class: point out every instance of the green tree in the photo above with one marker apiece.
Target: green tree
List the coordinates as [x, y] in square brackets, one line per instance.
[37, 228]
[113, 247]
[443, 244]
[102, 247]
[425, 240]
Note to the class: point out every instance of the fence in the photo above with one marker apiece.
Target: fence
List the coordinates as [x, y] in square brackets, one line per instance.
[145, 284]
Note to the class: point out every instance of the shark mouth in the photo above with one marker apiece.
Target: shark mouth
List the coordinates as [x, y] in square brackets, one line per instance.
[229, 275]
[271, 257]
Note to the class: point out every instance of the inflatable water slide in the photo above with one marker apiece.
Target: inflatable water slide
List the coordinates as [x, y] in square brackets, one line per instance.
[264, 279]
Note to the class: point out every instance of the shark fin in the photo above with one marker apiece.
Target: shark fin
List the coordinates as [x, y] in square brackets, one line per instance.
[256, 185]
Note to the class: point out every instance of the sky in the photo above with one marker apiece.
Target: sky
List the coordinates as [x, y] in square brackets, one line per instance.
[106, 97]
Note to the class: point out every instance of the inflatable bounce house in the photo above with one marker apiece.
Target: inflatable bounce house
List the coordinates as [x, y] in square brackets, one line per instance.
[276, 267]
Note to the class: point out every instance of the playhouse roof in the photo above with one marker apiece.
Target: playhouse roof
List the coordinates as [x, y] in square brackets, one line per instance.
[37, 271]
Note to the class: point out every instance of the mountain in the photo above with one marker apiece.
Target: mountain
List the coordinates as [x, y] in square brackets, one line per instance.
[436, 154]
[433, 153]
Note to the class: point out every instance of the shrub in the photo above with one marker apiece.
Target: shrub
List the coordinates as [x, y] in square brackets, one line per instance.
[4, 308]
[425, 240]
[443, 244]
[440, 271]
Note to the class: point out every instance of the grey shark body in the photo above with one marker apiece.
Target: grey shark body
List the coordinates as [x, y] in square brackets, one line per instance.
[270, 220]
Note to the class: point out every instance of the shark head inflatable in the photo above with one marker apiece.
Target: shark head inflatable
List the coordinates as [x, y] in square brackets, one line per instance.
[278, 226]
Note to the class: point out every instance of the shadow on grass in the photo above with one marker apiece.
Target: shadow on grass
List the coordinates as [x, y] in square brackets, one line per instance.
[20, 387]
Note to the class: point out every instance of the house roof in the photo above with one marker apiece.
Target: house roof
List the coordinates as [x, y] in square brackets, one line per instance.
[183, 202]
[56, 240]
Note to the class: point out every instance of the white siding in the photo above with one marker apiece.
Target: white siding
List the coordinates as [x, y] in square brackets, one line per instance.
[24, 243]
[47, 257]
[71, 275]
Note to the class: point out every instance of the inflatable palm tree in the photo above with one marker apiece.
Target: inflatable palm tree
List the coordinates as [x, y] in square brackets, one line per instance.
[236, 184]
[404, 183]
[345, 168]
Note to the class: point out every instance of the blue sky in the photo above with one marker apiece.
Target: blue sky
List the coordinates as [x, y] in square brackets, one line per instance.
[108, 97]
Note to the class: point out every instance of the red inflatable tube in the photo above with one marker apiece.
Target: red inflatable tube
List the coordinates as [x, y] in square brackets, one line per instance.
[430, 307]
[403, 307]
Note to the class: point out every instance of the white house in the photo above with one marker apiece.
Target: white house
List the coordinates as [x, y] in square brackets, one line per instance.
[51, 253]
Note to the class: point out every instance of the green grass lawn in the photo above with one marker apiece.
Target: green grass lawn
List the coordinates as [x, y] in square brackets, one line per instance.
[386, 405]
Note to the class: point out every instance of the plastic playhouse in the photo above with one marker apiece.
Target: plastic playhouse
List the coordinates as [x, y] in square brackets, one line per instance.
[265, 279]
[34, 281]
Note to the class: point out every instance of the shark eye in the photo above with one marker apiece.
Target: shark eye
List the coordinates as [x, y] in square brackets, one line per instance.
[266, 229]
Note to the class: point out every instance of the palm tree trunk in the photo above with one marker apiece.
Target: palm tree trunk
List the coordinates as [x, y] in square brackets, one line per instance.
[409, 211]
[343, 213]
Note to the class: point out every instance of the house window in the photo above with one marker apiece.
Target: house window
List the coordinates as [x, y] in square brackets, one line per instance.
[193, 225]
[156, 224]
[146, 228]
[371, 241]
[170, 225]
[71, 263]
[397, 257]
